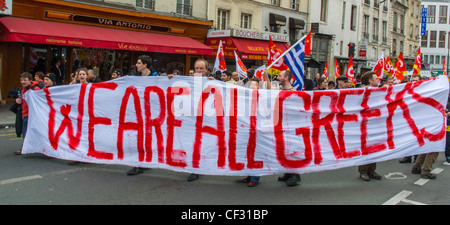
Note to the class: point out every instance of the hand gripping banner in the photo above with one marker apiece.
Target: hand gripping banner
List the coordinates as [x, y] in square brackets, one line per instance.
[195, 125]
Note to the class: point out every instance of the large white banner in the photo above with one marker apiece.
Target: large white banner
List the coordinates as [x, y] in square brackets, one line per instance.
[195, 125]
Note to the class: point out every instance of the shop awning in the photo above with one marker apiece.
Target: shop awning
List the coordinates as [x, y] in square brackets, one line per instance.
[249, 49]
[14, 29]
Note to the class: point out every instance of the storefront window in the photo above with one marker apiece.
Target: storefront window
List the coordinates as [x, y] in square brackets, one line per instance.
[102, 61]
[168, 62]
[38, 60]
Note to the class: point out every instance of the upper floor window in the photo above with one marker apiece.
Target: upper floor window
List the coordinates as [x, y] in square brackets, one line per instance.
[246, 21]
[222, 19]
[443, 14]
[295, 5]
[184, 7]
[147, 4]
[431, 17]
[323, 10]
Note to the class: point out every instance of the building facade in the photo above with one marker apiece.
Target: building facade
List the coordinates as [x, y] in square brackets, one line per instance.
[244, 27]
[412, 39]
[102, 35]
[435, 44]
[388, 28]
[375, 32]
[335, 25]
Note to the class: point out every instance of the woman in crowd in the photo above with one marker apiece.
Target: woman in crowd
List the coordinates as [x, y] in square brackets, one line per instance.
[322, 84]
[83, 75]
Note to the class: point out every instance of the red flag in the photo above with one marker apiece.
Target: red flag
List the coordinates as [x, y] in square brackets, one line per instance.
[337, 73]
[240, 68]
[379, 67]
[308, 44]
[418, 63]
[400, 68]
[388, 67]
[444, 68]
[350, 72]
[220, 64]
[274, 53]
[325, 71]
[259, 72]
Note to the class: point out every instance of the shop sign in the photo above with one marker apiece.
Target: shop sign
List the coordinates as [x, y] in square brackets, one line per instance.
[6, 7]
[423, 26]
[219, 33]
[258, 35]
[127, 24]
[362, 53]
[249, 34]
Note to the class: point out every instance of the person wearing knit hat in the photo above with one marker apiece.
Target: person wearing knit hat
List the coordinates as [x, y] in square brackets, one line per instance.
[117, 73]
[49, 80]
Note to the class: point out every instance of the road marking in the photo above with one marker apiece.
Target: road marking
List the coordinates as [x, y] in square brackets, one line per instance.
[15, 139]
[401, 197]
[395, 176]
[412, 202]
[437, 171]
[422, 181]
[398, 198]
[20, 179]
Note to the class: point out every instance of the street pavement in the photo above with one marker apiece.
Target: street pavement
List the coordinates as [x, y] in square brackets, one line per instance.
[35, 179]
[7, 118]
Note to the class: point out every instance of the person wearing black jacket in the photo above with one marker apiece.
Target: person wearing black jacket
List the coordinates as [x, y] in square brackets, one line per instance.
[16, 109]
[58, 71]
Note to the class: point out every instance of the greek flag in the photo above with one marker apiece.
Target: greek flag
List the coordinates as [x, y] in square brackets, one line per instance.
[295, 60]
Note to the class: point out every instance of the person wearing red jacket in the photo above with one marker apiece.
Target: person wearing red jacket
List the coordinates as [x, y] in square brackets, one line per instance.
[26, 79]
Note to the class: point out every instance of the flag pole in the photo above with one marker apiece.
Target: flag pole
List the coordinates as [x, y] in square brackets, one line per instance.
[284, 53]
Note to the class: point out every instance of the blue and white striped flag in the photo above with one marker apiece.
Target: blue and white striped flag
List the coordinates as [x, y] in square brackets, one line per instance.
[295, 60]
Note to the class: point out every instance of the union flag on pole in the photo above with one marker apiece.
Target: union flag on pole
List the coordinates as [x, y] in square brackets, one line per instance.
[308, 44]
[337, 73]
[240, 68]
[379, 67]
[325, 71]
[444, 68]
[350, 71]
[220, 64]
[400, 69]
[388, 67]
[418, 63]
[259, 72]
[273, 54]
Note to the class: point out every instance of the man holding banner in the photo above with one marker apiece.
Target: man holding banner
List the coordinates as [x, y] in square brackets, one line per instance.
[284, 79]
[366, 172]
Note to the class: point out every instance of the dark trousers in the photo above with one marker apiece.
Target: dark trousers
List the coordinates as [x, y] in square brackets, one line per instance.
[369, 168]
[447, 145]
